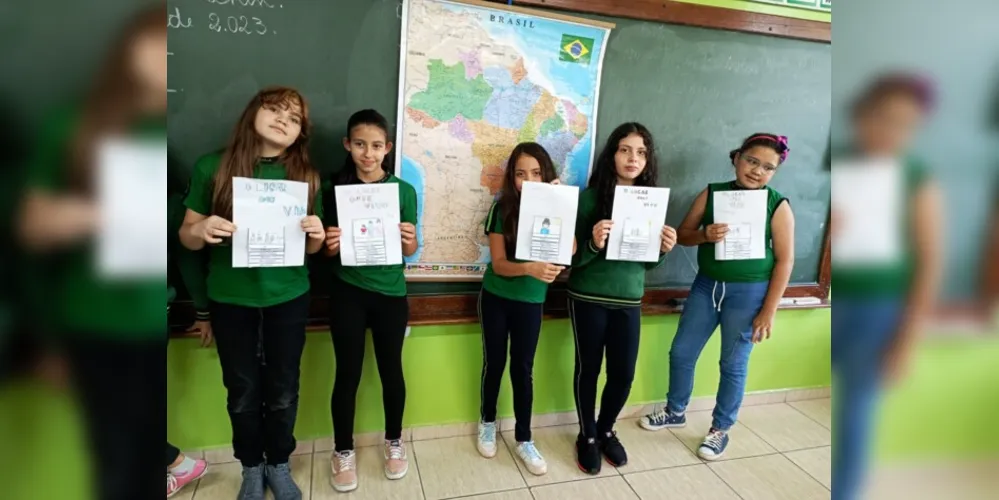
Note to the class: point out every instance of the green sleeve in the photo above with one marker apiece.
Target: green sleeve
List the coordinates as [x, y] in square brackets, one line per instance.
[199, 192]
[408, 208]
[494, 221]
[317, 203]
[585, 251]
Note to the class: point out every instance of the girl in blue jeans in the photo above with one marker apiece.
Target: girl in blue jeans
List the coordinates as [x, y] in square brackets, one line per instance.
[740, 295]
[880, 305]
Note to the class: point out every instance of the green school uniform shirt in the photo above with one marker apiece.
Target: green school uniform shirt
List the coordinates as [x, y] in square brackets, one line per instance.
[244, 286]
[611, 283]
[83, 303]
[737, 271]
[890, 280]
[386, 280]
[520, 288]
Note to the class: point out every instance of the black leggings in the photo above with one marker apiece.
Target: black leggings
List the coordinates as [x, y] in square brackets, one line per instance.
[352, 311]
[520, 322]
[598, 329]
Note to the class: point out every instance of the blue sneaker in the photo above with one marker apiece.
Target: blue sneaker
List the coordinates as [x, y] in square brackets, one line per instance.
[252, 487]
[661, 419]
[281, 483]
[714, 445]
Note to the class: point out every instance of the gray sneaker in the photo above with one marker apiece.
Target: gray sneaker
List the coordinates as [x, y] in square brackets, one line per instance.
[281, 483]
[253, 484]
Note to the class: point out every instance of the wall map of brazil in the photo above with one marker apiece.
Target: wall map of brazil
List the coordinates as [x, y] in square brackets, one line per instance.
[474, 81]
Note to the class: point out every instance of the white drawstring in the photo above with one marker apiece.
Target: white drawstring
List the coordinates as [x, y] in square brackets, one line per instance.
[717, 305]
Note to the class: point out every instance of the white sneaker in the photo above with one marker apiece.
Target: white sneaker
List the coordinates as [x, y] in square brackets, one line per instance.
[487, 439]
[533, 460]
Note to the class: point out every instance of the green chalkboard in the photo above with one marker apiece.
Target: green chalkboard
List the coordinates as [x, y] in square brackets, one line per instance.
[700, 91]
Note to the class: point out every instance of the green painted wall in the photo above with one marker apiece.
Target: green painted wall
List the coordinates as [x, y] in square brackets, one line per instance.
[443, 363]
[762, 8]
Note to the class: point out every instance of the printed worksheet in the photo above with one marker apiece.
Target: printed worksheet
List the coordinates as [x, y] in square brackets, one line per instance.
[547, 222]
[131, 239]
[268, 217]
[639, 214]
[745, 212]
[369, 223]
[868, 209]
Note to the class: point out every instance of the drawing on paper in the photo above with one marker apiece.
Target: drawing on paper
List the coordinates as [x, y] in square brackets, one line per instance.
[369, 242]
[265, 247]
[546, 237]
[635, 238]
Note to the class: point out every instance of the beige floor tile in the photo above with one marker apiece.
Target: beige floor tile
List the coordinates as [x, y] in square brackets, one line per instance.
[301, 470]
[816, 462]
[372, 483]
[651, 450]
[558, 446]
[784, 428]
[772, 477]
[195, 454]
[221, 481]
[605, 488]
[429, 432]
[222, 455]
[763, 398]
[803, 394]
[970, 480]
[695, 482]
[819, 410]
[524, 494]
[452, 467]
[742, 442]
[304, 447]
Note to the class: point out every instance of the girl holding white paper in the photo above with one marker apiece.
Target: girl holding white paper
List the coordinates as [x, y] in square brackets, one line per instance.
[366, 297]
[270, 142]
[742, 295]
[605, 296]
[881, 303]
[510, 306]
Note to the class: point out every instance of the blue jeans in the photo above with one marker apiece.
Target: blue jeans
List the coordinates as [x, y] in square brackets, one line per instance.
[862, 330]
[734, 306]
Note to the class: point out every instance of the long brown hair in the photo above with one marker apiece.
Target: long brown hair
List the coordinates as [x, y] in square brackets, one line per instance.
[509, 202]
[114, 102]
[242, 153]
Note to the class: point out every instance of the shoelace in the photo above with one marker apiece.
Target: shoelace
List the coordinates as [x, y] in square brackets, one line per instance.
[344, 461]
[529, 451]
[487, 433]
[659, 416]
[396, 451]
[171, 482]
[714, 439]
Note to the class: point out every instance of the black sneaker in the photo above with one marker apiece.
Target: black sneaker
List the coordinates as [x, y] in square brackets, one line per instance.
[613, 450]
[588, 455]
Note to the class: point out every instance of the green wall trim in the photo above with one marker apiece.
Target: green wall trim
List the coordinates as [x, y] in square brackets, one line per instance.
[763, 8]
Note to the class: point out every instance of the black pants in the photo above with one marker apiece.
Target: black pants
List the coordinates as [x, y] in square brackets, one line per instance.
[520, 322]
[597, 329]
[263, 394]
[352, 312]
[122, 389]
[172, 452]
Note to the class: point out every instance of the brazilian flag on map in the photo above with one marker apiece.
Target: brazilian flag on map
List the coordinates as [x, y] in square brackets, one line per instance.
[576, 49]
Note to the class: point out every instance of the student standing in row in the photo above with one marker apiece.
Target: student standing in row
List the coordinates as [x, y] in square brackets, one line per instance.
[741, 295]
[881, 306]
[511, 306]
[369, 297]
[110, 327]
[264, 306]
[605, 297]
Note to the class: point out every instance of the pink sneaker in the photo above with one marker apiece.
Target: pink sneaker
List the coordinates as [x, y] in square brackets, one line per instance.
[175, 482]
